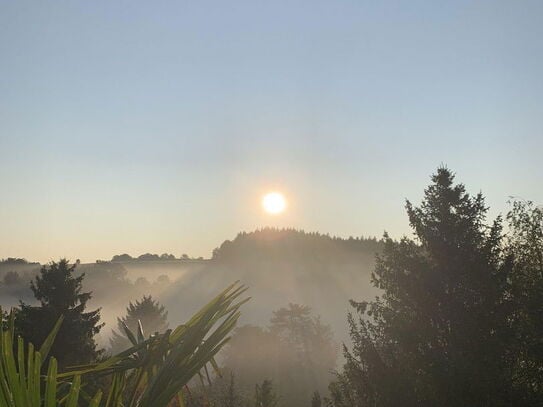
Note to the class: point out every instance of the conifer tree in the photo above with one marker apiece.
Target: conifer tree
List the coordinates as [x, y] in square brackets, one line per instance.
[59, 291]
[439, 334]
[152, 315]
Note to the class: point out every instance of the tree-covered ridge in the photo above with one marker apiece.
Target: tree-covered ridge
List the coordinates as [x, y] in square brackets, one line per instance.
[292, 244]
[288, 266]
[15, 260]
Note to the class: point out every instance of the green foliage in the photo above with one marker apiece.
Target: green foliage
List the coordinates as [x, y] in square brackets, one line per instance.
[22, 383]
[152, 316]
[156, 370]
[152, 373]
[265, 395]
[439, 334]
[59, 292]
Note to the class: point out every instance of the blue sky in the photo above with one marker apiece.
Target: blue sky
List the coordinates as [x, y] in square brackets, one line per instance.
[135, 126]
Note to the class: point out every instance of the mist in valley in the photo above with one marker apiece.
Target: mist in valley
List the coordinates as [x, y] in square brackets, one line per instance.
[280, 267]
[299, 283]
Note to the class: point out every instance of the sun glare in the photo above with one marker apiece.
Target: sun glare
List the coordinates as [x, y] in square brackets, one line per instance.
[274, 203]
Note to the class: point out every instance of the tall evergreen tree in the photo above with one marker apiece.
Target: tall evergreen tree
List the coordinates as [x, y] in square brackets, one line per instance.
[438, 335]
[59, 292]
[152, 315]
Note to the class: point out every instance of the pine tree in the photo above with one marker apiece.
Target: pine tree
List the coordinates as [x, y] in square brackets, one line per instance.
[152, 315]
[59, 292]
[439, 333]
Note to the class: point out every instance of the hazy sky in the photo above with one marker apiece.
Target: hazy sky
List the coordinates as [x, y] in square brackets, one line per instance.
[155, 126]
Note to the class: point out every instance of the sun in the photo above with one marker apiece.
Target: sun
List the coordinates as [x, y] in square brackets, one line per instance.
[274, 203]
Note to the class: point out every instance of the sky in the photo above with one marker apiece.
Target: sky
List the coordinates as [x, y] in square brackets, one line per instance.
[139, 126]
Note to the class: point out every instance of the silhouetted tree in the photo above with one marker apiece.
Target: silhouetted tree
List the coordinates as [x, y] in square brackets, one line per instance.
[152, 315]
[525, 246]
[439, 335]
[122, 257]
[59, 292]
[149, 256]
[265, 395]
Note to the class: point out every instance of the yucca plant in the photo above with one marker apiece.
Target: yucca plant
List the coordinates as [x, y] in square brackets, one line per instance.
[153, 373]
[155, 370]
[22, 383]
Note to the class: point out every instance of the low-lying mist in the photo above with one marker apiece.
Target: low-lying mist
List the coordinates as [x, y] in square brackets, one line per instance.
[280, 267]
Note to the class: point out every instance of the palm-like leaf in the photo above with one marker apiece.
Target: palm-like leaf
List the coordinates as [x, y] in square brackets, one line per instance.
[150, 374]
[155, 370]
[20, 375]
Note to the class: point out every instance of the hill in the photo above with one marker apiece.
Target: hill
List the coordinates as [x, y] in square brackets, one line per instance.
[283, 266]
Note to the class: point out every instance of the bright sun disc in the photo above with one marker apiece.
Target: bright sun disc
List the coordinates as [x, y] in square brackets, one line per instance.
[274, 203]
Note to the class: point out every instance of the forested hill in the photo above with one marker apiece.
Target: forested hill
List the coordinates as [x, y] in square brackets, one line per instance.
[271, 244]
[283, 266]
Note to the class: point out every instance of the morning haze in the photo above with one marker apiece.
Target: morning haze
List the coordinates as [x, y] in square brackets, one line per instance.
[370, 171]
